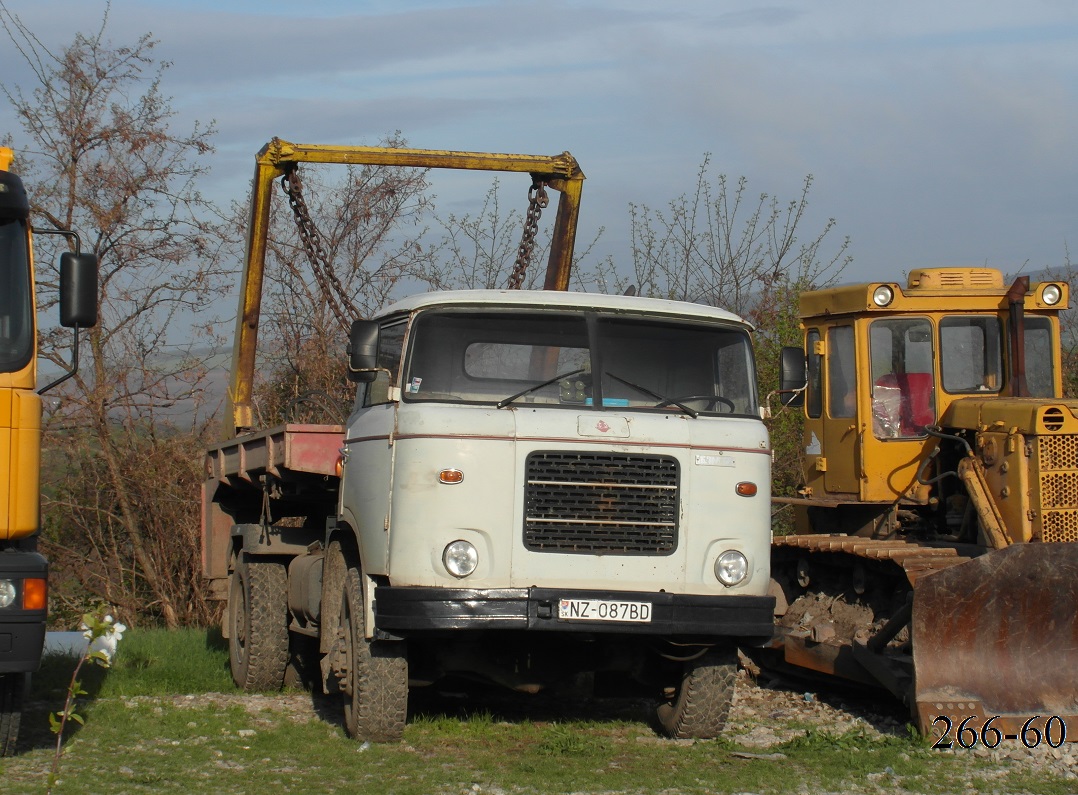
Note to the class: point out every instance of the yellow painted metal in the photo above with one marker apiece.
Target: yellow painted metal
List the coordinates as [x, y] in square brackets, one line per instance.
[560, 172]
[20, 430]
[971, 471]
[929, 290]
[21, 453]
[887, 468]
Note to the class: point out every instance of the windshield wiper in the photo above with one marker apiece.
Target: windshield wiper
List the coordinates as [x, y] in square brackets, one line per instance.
[655, 396]
[506, 401]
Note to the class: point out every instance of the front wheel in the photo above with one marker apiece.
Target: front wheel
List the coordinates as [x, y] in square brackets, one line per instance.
[373, 675]
[699, 706]
[13, 689]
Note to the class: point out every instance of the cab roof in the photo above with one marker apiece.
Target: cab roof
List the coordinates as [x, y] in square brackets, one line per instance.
[556, 299]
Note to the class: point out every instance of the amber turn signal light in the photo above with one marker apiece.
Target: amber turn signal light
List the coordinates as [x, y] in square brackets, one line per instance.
[450, 476]
[34, 594]
[746, 489]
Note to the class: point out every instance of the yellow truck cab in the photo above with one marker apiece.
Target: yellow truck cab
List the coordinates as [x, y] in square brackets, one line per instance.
[23, 571]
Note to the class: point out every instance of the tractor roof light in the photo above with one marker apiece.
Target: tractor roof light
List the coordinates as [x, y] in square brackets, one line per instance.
[1051, 294]
[883, 295]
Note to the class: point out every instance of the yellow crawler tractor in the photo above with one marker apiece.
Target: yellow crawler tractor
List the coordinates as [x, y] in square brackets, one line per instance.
[935, 551]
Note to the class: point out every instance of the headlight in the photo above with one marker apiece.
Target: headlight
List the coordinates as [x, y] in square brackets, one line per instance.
[731, 567]
[1051, 294]
[883, 295]
[7, 593]
[460, 558]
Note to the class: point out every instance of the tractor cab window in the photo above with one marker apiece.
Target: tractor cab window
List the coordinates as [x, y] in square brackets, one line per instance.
[814, 385]
[1040, 361]
[903, 394]
[841, 373]
[971, 359]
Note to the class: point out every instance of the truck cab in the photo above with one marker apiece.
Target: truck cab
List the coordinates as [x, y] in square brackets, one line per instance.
[578, 442]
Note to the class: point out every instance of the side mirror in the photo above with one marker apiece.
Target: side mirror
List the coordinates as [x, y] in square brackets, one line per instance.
[363, 351]
[78, 290]
[793, 376]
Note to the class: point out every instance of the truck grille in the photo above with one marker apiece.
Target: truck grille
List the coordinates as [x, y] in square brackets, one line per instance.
[1057, 463]
[601, 503]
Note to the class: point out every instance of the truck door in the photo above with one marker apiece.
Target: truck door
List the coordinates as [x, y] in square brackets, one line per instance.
[365, 492]
[841, 435]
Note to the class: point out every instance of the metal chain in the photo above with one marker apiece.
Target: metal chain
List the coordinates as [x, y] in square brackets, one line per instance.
[330, 285]
[537, 202]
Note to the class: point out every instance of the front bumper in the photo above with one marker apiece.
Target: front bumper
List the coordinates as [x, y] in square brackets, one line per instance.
[410, 609]
[22, 632]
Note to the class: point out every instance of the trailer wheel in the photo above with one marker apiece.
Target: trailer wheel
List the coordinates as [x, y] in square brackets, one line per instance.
[701, 703]
[258, 620]
[13, 689]
[373, 675]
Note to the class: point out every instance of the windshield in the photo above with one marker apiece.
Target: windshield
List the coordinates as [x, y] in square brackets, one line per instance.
[16, 326]
[552, 358]
[903, 394]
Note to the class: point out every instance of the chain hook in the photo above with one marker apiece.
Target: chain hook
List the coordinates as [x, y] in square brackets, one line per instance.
[537, 202]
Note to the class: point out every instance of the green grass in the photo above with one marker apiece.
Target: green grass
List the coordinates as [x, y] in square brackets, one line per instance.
[143, 735]
[151, 662]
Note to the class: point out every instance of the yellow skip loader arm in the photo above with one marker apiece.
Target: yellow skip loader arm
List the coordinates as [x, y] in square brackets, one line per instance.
[278, 158]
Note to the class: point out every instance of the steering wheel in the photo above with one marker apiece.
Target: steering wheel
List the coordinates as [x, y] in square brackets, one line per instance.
[711, 400]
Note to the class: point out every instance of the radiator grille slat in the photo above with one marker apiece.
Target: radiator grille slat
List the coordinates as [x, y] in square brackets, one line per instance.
[601, 503]
[1057, 458]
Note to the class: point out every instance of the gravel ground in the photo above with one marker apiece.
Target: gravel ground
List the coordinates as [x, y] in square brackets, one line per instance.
[763, 717]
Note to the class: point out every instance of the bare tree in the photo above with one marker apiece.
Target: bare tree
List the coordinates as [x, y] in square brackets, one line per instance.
[101, 159]
[717, 246]
[368, 248]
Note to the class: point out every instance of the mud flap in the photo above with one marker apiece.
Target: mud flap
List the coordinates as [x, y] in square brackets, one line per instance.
[996, 638]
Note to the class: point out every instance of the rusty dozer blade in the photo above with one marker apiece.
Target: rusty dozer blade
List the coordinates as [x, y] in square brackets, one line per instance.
[998, 636]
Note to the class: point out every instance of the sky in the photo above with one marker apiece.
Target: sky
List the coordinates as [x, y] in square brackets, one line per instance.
[936, 133]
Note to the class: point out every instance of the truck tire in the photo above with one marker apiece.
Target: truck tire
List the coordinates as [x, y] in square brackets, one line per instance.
[258, 616]
[373, 674]
[334, 570]
[701, 704]
[13, 689]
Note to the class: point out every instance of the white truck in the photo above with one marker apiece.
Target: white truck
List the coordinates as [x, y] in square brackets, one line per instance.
[532, 485]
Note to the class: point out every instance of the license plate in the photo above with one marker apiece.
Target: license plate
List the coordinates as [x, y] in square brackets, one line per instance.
[604, 610]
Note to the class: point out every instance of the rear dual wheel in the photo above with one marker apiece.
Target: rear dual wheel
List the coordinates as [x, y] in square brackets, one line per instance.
[258, 623]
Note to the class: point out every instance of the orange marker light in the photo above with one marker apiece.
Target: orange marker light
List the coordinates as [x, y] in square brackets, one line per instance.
[34, 594]
[450, 476]
[746, 489]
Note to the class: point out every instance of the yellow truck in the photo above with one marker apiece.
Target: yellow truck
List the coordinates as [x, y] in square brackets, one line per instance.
[23, 571]
[936, 546]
